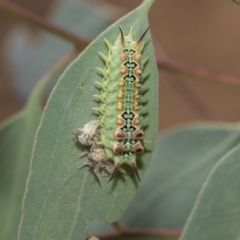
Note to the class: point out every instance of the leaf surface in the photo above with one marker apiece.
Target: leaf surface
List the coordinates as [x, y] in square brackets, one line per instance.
[216, 214]
[181, 162]
[61, 199]
[16, 143]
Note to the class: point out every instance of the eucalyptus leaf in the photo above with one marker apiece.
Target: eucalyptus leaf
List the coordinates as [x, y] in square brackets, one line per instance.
[182, 160]
[16, 144]
[61, 199]
[216, 214]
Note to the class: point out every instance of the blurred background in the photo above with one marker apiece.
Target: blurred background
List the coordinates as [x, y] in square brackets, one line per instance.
[202, 33]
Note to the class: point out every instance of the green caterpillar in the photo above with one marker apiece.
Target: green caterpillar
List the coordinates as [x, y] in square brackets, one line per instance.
[116, 138]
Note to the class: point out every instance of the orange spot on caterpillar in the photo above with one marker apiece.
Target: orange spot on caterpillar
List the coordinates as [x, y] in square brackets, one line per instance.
[118, 148]
[135, 107]
[123, 70]
[120, 95]
[138, 148]
[138, 134]
[138, 71]
[119, 107]
[120, 135]
[120, 121]
[137, 57]
[123, 56]
[137, 84]
[136, 121]
[136, 96]
[121, 83]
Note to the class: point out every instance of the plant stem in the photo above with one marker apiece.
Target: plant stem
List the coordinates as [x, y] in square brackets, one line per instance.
[118, 226]
[127, 232]
[183, 89]
[187, 70]
[39, 22]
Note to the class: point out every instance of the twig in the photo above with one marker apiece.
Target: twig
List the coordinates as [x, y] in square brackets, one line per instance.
[127, 232]
[191, 99]
[39, 22]
[187, 70]
[118, 226]
[182, 88]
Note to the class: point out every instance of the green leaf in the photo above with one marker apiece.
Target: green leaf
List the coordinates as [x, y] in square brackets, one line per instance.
[216, 214]
[61, 199]
[16, 144]
[181, 162]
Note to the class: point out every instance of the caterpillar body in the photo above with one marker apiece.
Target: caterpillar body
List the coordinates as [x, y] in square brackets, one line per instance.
[116, 138]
